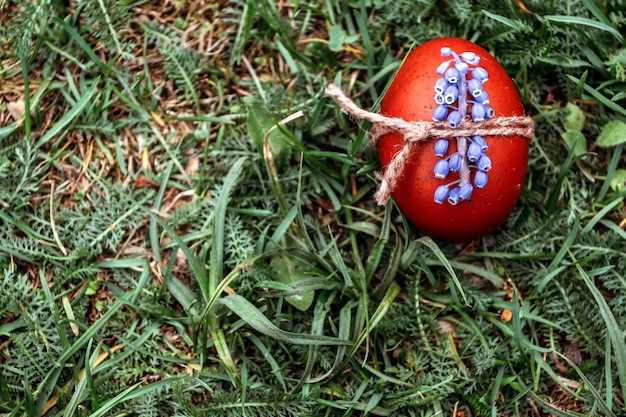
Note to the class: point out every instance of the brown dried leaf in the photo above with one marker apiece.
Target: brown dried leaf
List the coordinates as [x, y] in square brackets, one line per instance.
[16, 108]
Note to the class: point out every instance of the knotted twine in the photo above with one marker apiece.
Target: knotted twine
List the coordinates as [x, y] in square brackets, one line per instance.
[416, 132]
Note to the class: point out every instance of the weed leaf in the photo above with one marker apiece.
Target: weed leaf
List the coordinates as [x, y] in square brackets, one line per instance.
[613, 133]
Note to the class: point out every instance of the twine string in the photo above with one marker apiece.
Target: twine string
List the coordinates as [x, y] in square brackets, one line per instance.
[415, 132]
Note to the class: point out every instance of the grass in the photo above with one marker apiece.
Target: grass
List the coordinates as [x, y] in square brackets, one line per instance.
[189, 228]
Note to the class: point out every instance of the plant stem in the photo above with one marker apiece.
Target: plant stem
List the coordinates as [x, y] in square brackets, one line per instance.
[464, 171]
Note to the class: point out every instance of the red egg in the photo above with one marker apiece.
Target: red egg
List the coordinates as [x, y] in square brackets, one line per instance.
[412, 96]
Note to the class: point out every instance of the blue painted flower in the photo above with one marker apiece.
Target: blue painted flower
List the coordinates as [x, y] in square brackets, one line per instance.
[445, 51]
[452, 75]
[474, 87]
[462, 67]
[451, 94]
[480, 74]
[454, 119]
[465, 192]
[442, 168]
[441, 85]
[484, 163]
[461, 98]
[454, 162]
[478, 112]
[474, 152]
[480, 141]
[441, 69]
[441, 147]
[454, 196]
[480, 179]
[440, 113]
[483, 98]
[441, 194]
[471, 58]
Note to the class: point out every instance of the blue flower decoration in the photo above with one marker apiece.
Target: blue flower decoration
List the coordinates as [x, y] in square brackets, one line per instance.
[455, 118]
[454, 196]
[441, 169]
[461, 97]
[455, 162]
[441, 112]
[465, 192]
[441, 194]
[441, 147]
[480, 179]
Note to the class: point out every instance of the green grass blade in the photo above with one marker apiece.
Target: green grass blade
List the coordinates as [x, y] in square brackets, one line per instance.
[430, 244]
[46, 386]
[613, 330]
[257, 320]
[345, 325]
[196, 267]
[553, 199]
[614, 227]
[317, 328]
[82, 384]
[516, 25]
[223, 350]
[616, 158]
[583, 21]
[552, 409]
[26, 116]
[554, 268]
[600, 215]
[600, 97]
[588, 385]
[118, 399]
[380, 312]
[608, 374]
[71, 114]
[490, 276]
[266, 351]
[219, 221]
[91, 54]
[154, 230]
